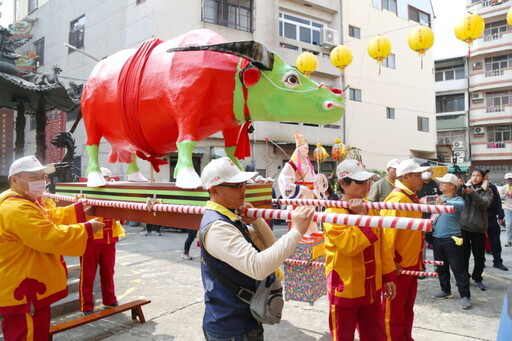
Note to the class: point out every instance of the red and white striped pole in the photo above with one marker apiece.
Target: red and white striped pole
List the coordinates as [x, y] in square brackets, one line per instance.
[369, 205]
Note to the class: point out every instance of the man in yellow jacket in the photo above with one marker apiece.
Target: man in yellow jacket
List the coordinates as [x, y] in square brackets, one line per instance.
[407, 248]
[357, 267]
[101, 252]
[32, 271]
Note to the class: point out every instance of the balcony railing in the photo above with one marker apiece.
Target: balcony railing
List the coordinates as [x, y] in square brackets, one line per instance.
[495, 145]
[494, 73]
[487, 3]
[496, 108]
[491, 37]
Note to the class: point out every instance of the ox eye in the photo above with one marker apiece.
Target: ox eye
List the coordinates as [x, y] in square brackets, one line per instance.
[291, 80]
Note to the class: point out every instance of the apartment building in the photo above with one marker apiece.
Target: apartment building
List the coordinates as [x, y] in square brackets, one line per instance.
[490, 88]
[388, 114]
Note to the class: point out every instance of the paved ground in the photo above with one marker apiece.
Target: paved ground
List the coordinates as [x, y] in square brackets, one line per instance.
[151, 267]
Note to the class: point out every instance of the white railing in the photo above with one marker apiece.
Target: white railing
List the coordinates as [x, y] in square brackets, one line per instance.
[496, 108]
[494, 73]
[491, 37]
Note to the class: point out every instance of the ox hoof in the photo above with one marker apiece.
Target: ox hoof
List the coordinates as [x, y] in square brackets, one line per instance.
[95, 179]
[137, 177]
[188, 178]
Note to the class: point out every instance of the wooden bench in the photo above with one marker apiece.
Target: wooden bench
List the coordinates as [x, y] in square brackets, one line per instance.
[135, 307]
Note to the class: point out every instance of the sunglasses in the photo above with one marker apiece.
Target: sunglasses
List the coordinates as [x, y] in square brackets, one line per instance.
[360, 182]
[235, 186]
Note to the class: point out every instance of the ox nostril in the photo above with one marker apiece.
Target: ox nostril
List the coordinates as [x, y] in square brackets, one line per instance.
[337, 92]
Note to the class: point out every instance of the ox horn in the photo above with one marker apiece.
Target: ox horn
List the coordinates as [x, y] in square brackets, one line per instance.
[255, 52]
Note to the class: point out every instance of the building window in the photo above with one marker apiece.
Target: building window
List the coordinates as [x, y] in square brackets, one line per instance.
[39, 50]
[138, 2]
[390, 113]
[354, 32]
[389, 61]
[237, 14]
[77, 32]
[494, 30]
[389, 5]
[299, 29]
[494, 65]
[501, 133]
[497, 100]
[419, 16]
[450, 73]
[355, 95]
[423, 124]
[32, 5]
[450, 103]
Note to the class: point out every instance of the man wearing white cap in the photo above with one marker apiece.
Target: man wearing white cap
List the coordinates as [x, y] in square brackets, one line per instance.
[32, 272]
[232, 252]
[356, 266]
[407, 248]
[381, 189]
[506, 195]
[447, 241]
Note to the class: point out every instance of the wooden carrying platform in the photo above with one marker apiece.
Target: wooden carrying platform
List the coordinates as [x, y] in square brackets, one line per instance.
[259, 195]
[135, 307]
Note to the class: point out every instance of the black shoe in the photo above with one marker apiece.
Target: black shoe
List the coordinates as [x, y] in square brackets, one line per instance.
[480, 285]
[85, 313]
[500, 266]
[113, 305]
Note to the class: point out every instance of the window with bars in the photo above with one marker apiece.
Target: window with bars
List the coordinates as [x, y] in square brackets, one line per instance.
[77, 32]
[497, 100]
[494, 30]
[501, 133]
[237, 14]
[419, 16]
[494, 66]
[423, 124]
[39, 50]
[299, 29]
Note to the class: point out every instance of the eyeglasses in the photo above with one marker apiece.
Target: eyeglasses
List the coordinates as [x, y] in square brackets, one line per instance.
[235, 186]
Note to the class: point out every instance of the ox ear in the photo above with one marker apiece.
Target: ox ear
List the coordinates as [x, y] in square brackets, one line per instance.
[250, 75]
[255, 52]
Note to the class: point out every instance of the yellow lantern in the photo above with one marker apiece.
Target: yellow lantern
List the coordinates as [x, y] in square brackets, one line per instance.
[509, 16]
[470, 28]
[320, 154]
[341, 57]
[420, 40]
[306, 63]
[338, 150]
[379, 48]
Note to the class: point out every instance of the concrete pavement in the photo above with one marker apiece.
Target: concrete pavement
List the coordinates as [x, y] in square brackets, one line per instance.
[151, 267]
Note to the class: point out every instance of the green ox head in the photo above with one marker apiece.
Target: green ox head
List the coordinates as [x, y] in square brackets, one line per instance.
[276, 91]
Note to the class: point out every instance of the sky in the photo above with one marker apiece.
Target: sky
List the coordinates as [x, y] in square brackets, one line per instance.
[7, 12]
[447, 13]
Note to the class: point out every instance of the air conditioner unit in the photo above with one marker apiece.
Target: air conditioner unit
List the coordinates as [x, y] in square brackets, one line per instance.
[458, 144]
[329, 37]
[478, 130]
[477, 96]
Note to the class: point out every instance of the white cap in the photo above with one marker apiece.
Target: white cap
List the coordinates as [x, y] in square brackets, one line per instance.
[106, 172]
[393, 163]
[29, 164]
[269, 179]
[409, 166]
[223, 170]
[353, 169]
[508, 176]
[259, 178]
[450, 178]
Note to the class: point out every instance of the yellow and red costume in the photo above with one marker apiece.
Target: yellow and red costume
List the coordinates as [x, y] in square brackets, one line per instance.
[33, 273]
[102, 252]
[356, 267]
[407, 248]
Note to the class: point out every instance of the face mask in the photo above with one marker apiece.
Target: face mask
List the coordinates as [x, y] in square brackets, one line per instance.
[35, 188]
[426, 175]
[509, 182]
